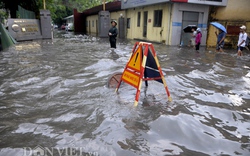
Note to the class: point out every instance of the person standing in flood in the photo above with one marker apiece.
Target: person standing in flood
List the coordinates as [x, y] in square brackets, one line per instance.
[220, 40]
[242, 40]
[113, 32]
[192, 40]
[198, 39]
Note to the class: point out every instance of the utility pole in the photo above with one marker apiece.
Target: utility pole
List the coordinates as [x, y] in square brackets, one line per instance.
[44, 5]
[104, 5]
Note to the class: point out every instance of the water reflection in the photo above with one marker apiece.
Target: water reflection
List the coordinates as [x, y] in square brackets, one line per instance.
[54, 94]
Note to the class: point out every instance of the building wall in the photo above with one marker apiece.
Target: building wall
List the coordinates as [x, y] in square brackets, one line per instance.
[235, 10]
[91, 24]
[235, 14]
[116, 15]
[79, 22]
[92, 21]
[177, 19]
[156, 34]
[170, 32]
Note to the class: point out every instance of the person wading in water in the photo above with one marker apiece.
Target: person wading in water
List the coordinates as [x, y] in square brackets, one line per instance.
[242, 40]
[198, 39]
[113, 32]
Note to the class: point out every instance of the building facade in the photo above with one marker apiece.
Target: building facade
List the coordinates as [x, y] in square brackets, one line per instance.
[163, 20]
[236, 13]
[92, 21]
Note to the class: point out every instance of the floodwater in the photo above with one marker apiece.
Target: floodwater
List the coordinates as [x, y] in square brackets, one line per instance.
[54, 100]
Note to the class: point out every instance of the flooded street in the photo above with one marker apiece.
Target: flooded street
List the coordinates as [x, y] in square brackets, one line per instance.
[54, 96]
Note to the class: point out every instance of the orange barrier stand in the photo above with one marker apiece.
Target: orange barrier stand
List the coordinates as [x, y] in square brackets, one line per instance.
[143, 65]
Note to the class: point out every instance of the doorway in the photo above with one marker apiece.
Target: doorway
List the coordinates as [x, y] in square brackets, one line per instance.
[96, 26]
[145, 23]
[188, 18]
[121, 29]
[89, 28]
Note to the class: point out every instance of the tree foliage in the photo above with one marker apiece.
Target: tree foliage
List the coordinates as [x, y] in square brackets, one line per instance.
[3, 13]
[62, 8]
[82, 5]
[59, 8]
[12, 6]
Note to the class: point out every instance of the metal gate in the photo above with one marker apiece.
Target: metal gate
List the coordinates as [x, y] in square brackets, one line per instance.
[121, 28]
[188, 18]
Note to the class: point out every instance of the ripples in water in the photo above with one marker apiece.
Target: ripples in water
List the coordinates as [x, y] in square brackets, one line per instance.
[54, 94]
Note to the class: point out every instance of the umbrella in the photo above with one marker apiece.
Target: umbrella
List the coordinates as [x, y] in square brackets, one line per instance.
[219, 26]
[189, 28]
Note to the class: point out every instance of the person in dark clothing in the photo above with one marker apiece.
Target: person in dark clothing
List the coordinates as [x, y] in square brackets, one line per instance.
[113, 32]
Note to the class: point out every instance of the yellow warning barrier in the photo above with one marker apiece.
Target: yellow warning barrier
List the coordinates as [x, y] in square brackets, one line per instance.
[143, 65]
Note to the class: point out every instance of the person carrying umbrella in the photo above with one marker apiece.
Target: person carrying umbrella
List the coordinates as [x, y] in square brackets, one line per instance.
[242, 40]
[220, 40]
[221, 36]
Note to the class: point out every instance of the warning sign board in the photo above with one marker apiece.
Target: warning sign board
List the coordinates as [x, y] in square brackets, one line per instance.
[135, 61]
[131, 78]
[143, 65]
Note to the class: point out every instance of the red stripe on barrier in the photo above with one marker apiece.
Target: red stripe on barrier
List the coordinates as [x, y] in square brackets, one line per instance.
[133, 77]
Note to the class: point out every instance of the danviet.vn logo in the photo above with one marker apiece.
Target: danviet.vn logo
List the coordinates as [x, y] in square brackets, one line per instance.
[57, 151]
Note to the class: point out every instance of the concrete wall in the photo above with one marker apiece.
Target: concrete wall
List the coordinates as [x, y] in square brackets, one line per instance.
[235, 10]
[236, 13]
[116, 15]
[156, 34]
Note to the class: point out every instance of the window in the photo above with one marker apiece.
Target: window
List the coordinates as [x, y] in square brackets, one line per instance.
[128, 22]
[86, 23]
[157, 18]
[138, 19]
[93, 23]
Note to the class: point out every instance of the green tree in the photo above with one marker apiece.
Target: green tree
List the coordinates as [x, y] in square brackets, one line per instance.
[59, 9]
[3, 12]
[82, 5]
[12, 6]
[62, 8]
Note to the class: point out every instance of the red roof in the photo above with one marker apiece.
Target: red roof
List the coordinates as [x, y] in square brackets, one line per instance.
[111, 7]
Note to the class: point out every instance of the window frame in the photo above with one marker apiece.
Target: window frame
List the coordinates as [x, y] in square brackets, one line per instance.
[158, 14]
[138, 19]
[128, 23]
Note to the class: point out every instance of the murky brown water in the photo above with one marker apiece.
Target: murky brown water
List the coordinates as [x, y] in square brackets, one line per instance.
[54, 99]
